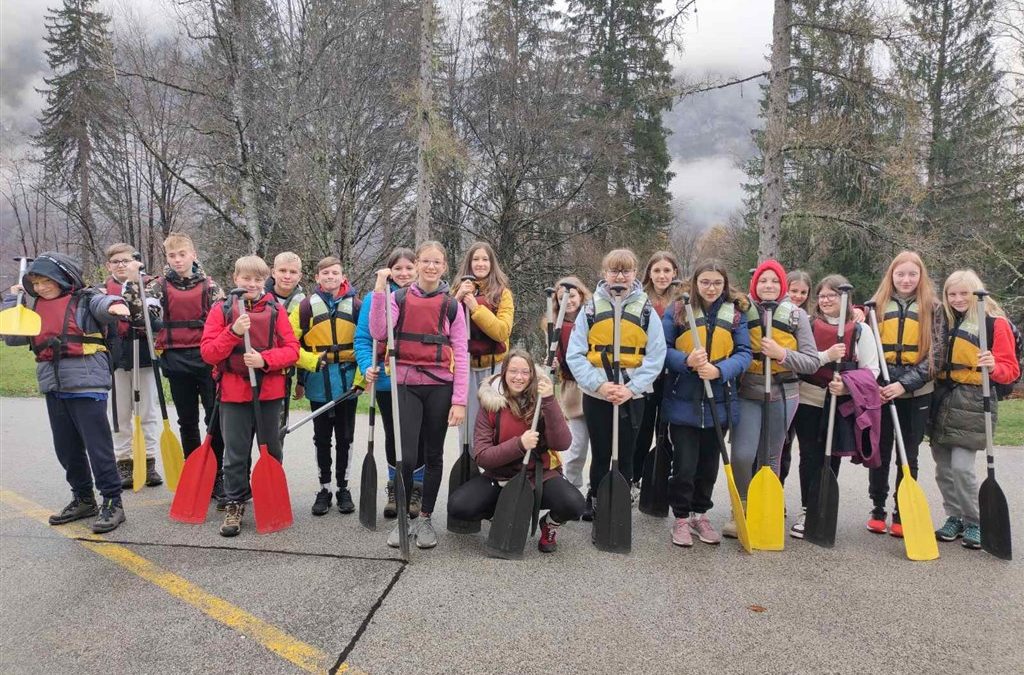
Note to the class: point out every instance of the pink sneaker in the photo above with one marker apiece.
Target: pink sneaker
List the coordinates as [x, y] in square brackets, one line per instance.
[702, 527]
[681, 533]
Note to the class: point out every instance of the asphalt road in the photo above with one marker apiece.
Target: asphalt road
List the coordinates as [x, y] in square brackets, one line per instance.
[161, 597]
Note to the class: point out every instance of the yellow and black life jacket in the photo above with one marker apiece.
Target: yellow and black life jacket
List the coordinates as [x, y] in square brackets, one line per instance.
[326, 331]
[962, 352]
[783, 332]
[636, 315]
[726, 321]
[900, 331]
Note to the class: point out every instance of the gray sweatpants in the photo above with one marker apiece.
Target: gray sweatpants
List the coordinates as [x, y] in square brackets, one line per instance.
[476, 378]
[954, 472]
[575, 458]
[238, 428]
[747, 433]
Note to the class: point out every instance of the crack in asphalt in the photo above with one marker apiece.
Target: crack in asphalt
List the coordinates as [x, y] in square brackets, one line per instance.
[214, 547]
[369, 617]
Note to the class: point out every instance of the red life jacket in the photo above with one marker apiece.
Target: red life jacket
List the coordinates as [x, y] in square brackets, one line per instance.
[262, 332]
[563, 349]
[825, 336]
[114, 287]
[479, 343]
[184, 315]
[420, 337]
[506, 426]
[60, 335]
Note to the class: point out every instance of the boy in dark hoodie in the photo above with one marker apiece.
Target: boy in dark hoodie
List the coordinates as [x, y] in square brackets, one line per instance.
[73, 369]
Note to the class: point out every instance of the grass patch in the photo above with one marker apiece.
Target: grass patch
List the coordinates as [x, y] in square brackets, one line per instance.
[1010, 427]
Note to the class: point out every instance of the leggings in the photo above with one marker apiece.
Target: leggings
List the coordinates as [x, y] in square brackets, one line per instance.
[341, 423]
[476, 498]
[423, 414]
[645, 436]
[383, 399]
[694, 469]
[810, 432]
[598, 413]
[913, 415]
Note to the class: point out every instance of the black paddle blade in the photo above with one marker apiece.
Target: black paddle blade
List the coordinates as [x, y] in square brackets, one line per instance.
[823, 514]
[368, 494]
[511, 522]
[463, 471]
[613, 517]
[538, 498]
[654, 484]
[995, 520]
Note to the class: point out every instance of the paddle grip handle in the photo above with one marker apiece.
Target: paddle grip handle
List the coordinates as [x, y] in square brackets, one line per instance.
[22, 266]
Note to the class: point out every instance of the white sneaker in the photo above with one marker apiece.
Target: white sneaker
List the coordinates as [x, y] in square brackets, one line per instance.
[797, 531]
[729, 529]
[426, 537]
[394, 537]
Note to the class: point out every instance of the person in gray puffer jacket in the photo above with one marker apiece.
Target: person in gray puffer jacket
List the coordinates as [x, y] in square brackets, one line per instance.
[73, 371]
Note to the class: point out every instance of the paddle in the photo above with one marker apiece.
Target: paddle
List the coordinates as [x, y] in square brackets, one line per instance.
[734, 494]
[138, 440]
[993, 509]
[368, 477]
[271, 504]
[766, 503]
[170, 447]
[20, 320]
[918, 529]
[352, 393]
[192, 498]
[823, 514]
[465, 468]
[400, 502]
[514, 510]
[613, 517]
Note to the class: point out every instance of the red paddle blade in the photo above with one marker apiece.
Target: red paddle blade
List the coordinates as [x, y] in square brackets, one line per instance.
[271, 505]
[192, 498]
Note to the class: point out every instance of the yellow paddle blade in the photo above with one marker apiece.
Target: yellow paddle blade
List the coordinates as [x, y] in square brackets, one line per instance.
[138, 455]
[20, 320]
[172, 455]
[766, 506]
[918, 529]
[737, 510]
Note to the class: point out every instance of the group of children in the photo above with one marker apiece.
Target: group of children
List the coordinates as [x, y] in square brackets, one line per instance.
[455, 363]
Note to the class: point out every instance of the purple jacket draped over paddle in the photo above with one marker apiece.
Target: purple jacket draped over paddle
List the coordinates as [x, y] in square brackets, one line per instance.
[861, 411]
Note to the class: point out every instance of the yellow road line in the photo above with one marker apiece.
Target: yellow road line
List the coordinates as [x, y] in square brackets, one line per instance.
[295, 651]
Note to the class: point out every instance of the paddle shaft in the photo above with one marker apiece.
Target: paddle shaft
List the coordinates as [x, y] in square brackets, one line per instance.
[616, 366]
[898, 432]
[709, 394]
[152, 349]
[762, 455]
[556, 326]
[403, 514]
[986, 386]
[252, 381]
[835, 369]
[373, 397]
[341, 398]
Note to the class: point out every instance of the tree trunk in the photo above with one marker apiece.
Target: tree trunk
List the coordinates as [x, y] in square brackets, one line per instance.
[425, 105]
[775, 134]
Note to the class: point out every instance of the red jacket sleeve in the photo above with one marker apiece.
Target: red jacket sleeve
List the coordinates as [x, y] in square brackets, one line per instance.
[489, 455]
[1007, 368]
[286, 354]
[218, 339]
[557, 436]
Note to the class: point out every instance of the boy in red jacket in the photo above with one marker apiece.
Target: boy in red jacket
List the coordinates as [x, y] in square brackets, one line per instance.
[274, 350]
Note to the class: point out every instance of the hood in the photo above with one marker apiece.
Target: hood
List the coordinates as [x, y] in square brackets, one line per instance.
[442, 288]
[635, 290]
[775, 266]
[492, 395]
[184, 283]
[63, 269]
[344, 291]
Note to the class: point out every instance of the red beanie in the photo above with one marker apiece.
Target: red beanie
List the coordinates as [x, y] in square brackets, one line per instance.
[775, 266]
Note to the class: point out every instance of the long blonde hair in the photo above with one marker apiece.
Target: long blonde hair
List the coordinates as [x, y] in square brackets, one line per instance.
[972, 282]
[926, 300]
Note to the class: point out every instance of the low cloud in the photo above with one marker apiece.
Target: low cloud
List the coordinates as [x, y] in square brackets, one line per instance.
[710, 189]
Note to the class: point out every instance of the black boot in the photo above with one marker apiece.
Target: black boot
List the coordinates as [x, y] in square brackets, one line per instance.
[218, 492]
[152, 477]
[124, 472]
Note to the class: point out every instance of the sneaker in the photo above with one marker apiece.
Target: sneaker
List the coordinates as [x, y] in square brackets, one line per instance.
[124, 472]
[681, 535]
[218, 492]
[416, 500]
[876, 522]
[729, 529]
[80, 507]
[111, 515]
[588, 510]
[345, 504]
[950, 530]
[390, 508]
[972, 536]
[323, 502]
[702, 527]
[426, 537]
[152, 477]
[394, 538]
[797, 531]
[548, 532]
[896, 529]
[232, 519]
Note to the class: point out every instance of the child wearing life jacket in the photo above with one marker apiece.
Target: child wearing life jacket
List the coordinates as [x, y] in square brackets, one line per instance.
[570, 398]
[798, 290]
[186, 295]
[489, 304]
[124, 339]
[590, 354]
[720, 358]
[402, 263]
[325, 324]
[73, 371]
[274, 351]
[856, 350]
[503, 435]
[433, 372]
[792, 352]
[957, 430]
[913, 329]
[284, 284]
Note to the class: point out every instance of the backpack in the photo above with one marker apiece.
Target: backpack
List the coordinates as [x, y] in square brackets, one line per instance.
[1004, 390]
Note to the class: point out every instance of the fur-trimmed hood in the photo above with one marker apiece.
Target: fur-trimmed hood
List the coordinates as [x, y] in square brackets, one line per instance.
[492, 394]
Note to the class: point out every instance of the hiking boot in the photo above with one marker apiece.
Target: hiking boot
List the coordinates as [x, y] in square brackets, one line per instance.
[233, 519]
[124, 472]
[426, 537]
[701, 526]
[588, 510]
[390, 508]
[111, 515]
[797, 531]
[218, 492]
[729, 529]
[972, 536]
[152, 477]
[416, 500]
[345, 504]
[323, 502]
[876, 523]
[950, 530]
[394, 538]
[681, 535]
[548, 532]
[80, 507]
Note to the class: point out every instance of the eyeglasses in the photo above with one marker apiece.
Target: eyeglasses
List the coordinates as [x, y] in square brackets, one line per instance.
[828, 297]
[120, 262]
[431, 263]
[619, 273]
[707, 283]
[518, 373]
